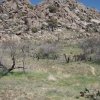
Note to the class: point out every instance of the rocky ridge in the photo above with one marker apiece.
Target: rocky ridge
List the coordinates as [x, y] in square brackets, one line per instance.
[21, 18]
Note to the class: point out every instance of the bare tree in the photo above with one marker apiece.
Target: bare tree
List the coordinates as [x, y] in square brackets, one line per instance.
[91, 46]
[67, 58]
[47, 51]
[25, 50]
[10, 47]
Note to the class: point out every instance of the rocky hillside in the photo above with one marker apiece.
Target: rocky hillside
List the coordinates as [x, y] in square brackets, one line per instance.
[20, 17]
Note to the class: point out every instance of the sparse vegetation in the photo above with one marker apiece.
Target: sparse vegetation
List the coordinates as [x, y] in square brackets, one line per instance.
[59, 61]
[30, 6]
[52, 24]
[52, 9]
[91, 47]
[34, 30]
[47, 51]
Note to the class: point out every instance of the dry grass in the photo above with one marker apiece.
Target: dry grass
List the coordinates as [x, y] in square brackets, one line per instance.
[52, 82]
[51, 79]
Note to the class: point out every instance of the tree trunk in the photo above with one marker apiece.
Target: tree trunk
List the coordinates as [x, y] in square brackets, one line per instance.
[12, 67]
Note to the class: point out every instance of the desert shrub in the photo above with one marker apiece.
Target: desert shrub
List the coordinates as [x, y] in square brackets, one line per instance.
[34, 30]
[52, 23]
[91, 46]
[30, 6]
[90, 94]
[52, 9]
[22, 14]
[44, 26]
[47, 51]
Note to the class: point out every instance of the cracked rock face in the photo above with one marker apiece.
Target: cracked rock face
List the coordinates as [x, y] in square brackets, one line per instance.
[20, 17]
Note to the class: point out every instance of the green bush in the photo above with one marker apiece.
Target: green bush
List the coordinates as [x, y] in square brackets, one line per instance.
[52, 9]
[52, 23]
[22, 14]
[47, 51]
[34, 30]
[30, 6]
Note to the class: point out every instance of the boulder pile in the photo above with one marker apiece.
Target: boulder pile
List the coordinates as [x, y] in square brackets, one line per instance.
[20, 17]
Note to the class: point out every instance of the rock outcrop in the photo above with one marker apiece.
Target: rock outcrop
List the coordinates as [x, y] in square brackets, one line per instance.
[19, 17]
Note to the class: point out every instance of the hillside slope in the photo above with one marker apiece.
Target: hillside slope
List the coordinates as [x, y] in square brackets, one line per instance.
[20, 17]
[41, 54]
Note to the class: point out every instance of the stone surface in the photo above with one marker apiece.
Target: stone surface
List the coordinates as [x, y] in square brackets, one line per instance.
[20, 17]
